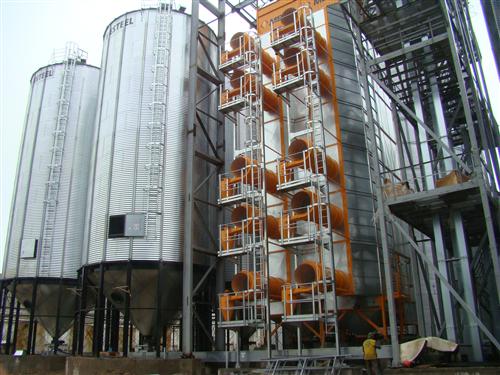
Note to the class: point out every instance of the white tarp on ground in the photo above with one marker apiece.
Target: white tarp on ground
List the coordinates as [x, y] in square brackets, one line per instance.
[410, 350]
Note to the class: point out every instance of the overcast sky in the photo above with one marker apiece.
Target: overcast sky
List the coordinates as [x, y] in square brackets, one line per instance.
[31, 29]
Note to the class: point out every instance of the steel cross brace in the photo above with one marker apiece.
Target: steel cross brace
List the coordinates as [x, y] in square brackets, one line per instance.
[429, 131]
[396, 99]
[443, 280]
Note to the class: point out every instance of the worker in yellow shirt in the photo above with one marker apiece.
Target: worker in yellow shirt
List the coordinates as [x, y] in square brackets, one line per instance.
[370, 354]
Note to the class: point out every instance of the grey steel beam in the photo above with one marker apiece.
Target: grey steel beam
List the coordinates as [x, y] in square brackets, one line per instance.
[244, 3]
[203, 278]
[204, 328]
[209, 76]
[432, 306]
[205, 180]
[187, 284]
[215, 71]
[211, 160]
[443, 280]
[459, 240]
[402, 51]
[415, 272]
[211, 8]
[251, 21]
[380, 212]
[447, 302]
[207, 136]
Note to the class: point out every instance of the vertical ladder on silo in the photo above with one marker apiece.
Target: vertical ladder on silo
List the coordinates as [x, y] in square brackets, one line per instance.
[55, 166]
[157, 124]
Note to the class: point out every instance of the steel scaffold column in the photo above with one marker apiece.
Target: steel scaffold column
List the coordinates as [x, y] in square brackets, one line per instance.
[187, 285]
[380, 213]
[219, 276]
[199, 119]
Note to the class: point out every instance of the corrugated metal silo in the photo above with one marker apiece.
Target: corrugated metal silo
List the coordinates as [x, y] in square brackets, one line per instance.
[46, 232]
[136, 213]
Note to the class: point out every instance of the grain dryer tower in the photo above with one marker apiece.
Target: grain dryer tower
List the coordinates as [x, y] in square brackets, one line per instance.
[135, 221]
[44, 244]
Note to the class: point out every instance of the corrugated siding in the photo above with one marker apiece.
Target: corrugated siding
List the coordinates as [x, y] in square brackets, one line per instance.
[64, 257]
[121, 156]
[359, 196]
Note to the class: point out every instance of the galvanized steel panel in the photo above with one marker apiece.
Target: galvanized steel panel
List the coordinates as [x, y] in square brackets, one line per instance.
[358, 188]
[64, 256]
[121, 154]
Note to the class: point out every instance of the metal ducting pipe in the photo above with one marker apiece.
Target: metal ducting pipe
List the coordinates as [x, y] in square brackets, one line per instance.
[244, 211]
[270, 100]
[288, 21]
[239, 43]
[244, 280]
[297, 62]
[304, 206]
[310, 271]
[296, 152]
[241, 40]
[244, 41]
[226, 305]
[242, 161]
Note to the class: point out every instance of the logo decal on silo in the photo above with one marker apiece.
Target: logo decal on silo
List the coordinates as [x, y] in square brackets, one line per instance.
[43, 74]
[120, 25]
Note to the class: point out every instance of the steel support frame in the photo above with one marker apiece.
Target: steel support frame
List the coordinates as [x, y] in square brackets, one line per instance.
[31, 323]
[383, 212]
[460, 246]
[11, 316]
[490, 229]
[444, 281]
[81, 312]
[126, 315]
[194, 121]
[379, 214]
[3, 299]
[99, 314]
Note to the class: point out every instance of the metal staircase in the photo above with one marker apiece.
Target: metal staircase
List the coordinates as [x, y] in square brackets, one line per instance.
[71, 55]
[306, 365]
[159, 113]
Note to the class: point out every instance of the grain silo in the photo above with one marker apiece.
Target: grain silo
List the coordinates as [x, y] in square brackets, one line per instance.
[44, 244]
[135, 218]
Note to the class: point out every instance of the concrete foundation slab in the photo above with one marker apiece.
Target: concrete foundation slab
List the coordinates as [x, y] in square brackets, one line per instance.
[32, 365]
[132, 366]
